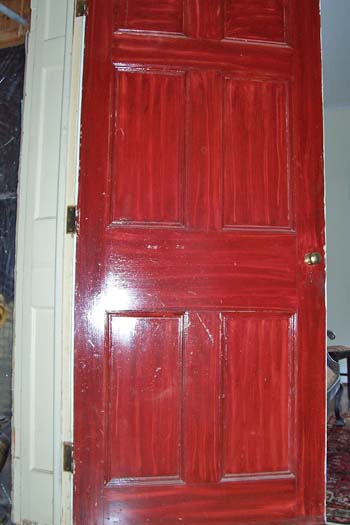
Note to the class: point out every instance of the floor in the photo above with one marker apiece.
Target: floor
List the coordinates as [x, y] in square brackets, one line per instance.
[344, 408]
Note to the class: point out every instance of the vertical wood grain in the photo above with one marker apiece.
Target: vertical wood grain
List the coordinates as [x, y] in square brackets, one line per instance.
[255, 20]
[204, 23]
[202, 398]
[204, 150]
[89, 383]
[309, 178]
[257, 393]
[148, 168]
[145, 397]
[256, 154]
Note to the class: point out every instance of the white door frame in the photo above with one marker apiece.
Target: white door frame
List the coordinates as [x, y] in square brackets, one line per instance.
[45, 261]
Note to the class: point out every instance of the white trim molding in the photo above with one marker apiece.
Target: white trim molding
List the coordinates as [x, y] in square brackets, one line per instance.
[43, 351]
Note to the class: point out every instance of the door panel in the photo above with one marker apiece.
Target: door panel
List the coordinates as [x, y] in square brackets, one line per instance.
[149, 15]
[260, 370]
[256, 20]
[152, 191]
[223, 503]
[256, 154]
[200, 193]
[144, 380]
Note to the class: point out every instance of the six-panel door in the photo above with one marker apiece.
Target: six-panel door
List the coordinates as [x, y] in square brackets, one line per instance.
[196, 318]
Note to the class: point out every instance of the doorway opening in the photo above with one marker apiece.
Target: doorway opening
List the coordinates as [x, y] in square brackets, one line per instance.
[336, 82]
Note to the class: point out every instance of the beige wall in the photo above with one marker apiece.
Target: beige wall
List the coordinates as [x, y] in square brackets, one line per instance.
[337, 170]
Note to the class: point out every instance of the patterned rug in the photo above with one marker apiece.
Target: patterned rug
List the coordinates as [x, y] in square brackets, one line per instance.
[338, 471]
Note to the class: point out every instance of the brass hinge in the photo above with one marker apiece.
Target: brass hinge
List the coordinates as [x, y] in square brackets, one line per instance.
[71, 223]
[68, 457]
[80, 7]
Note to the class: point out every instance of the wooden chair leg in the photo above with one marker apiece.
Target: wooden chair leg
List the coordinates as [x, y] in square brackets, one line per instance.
[339, 420]
[348, 376]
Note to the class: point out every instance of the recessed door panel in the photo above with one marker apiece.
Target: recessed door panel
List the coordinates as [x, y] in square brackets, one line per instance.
[256, 154]
[149, 15]
[148, 152]
[144, 398]
[263, 20]
[259, 366]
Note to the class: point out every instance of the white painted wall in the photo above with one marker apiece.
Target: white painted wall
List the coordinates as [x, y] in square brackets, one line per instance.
[43, 356]
[335, 15]
[337, 169]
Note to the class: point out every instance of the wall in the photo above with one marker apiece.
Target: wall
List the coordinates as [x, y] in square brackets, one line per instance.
[337, 169]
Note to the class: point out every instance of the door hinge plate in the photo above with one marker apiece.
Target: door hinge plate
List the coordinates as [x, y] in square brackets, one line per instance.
[68, 457]
[71, 224]
[80, 8]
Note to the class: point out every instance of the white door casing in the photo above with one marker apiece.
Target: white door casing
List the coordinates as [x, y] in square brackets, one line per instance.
[43, 352]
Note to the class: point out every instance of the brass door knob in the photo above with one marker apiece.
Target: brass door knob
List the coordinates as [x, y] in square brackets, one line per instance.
[313, 258]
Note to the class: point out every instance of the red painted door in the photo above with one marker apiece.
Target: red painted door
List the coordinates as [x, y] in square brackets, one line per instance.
[199, 364]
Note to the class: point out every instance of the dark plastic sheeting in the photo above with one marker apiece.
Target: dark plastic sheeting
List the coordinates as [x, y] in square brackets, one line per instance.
[11, 92]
